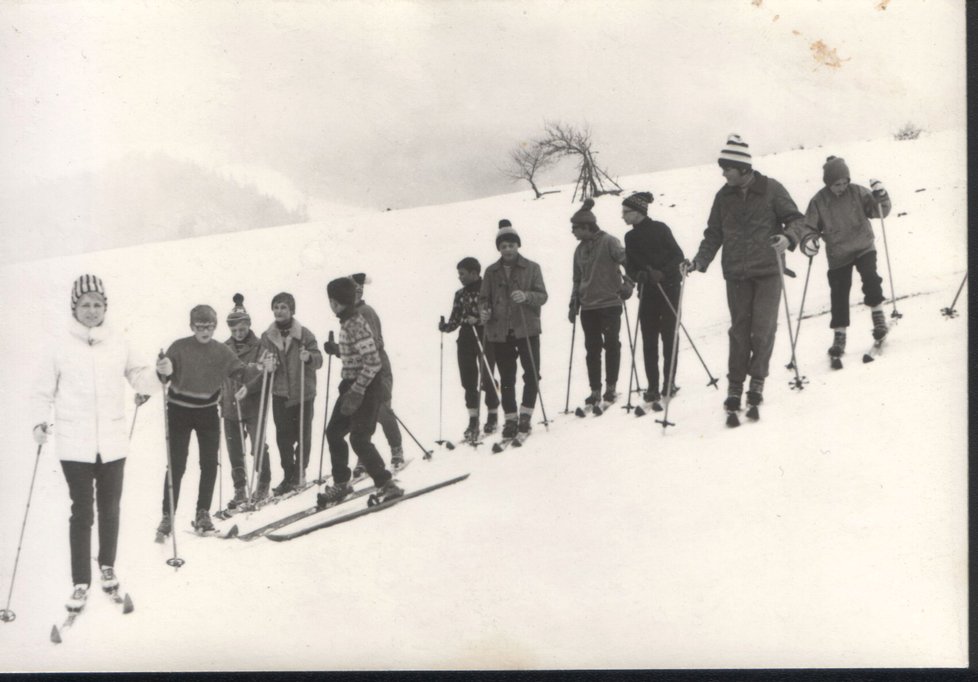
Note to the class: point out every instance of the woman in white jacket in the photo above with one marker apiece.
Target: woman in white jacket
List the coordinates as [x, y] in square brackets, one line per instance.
[82, 380]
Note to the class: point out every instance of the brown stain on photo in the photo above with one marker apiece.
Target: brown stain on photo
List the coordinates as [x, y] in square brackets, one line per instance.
[826, 56]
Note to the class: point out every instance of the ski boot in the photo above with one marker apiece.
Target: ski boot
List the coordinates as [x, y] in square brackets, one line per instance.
[838, 348]
[754, 399]
[286, 486]
[333, 494]
[202, 522]
[610, 395]
[491, 423]
[164, 529]
[397, 457]
[471, 435]
[240, 498]
[76, 602]
[261, 493]
[879, 325]
[359, 471]
[523, 429]
[110, 583]
[652, 401]
[732, 406]
[385, 493]
[509, 429]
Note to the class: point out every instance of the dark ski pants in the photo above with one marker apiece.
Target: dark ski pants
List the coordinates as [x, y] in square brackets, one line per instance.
[386, 417]
[360, 426]
[233, 430]
[602, 331]
[753, 307]
[287, 425]
[470, 366]
[207, 424]
[658, 321]
[506, 353]
[840, 283]
[106, 480]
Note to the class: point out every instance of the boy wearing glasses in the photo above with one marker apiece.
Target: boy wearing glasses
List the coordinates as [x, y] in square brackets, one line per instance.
[196, 367]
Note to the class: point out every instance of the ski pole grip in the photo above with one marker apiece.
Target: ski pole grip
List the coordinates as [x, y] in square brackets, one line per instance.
[331, 337]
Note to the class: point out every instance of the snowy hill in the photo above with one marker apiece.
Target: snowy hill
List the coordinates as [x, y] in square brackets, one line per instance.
[831, 533]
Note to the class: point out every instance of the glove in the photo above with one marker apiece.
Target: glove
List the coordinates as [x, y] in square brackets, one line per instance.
[304, 355]
[780, 243]
[164, 366]
[240, 394]
[693, 266]
[41, 434]
[809, 246]
[518, 296]
[268, 362]
[442, 325]
[626, 290]
[140, 398]
[331, 348]
[642, 277]
[351, 403]
[655, 276]
[484, 315]
[471, 320]
[879, 191]
[572, 312]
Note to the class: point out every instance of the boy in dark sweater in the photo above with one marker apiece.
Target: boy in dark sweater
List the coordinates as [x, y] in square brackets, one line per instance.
[465, 318]
[652, 259]
[196, 367]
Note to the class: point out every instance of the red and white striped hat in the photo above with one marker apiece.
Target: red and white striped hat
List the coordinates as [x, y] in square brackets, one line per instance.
[735, 151]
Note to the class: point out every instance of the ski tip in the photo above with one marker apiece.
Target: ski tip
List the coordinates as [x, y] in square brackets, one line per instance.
[579, 412]
[233, 533]
[449, 445]
[55, 634]
[868, 358]
[639, 412]
[127, 605]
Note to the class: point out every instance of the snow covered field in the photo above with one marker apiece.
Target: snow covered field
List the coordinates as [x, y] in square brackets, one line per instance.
[831, 533]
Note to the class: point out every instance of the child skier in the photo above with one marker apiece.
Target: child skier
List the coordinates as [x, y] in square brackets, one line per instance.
[197, 367]
[465, 318]
[840, 212]
[356, 408]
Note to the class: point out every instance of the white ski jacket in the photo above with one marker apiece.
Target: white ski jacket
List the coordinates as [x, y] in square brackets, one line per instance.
[81, 379]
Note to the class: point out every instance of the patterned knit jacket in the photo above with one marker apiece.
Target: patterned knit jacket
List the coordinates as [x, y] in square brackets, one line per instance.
[358, 350]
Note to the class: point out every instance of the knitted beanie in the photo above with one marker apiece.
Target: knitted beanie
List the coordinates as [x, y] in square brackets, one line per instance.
[360, 278]
[286, 298]
[506, 233]
[203, 314]
[639, 201]
[736, 152]
[584, 216]
[87, 284]
[835, 168]
[238, 312]
[342, 290]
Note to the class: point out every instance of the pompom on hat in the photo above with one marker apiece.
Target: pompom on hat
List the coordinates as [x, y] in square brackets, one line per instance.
[343, 290]
[87, 284]
[835, 168]
[506, 233]
[238, 312]
[735, 153]
[639, 201]
[583, 216]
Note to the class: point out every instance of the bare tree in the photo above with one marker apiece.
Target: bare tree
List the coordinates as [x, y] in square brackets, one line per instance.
[526, 160]
[561, 139]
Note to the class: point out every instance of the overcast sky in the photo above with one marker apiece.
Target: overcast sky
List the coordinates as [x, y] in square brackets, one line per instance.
[397, 103]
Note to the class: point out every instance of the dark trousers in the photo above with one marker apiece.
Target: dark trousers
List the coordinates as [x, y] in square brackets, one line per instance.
[753, 307]
[470, 366]
[385, 415]
[360, 426]
[506, 353]
[602, 331]
[287, 436]
[106, 478]
[207, 424]
[840, 283]
[658, 321]
[234, 434]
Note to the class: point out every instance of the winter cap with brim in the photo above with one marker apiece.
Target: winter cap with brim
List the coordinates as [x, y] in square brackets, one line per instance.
[507, 234]
[203, 314]
[835, 169]
[639, 201]
[735, 153]
[360, 278]
[583, 217]
[87, 284]
[238, 312]
[286, 298]
[343, 290]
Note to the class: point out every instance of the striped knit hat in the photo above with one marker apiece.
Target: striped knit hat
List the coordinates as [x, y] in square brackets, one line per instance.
[639, 201]
[735, 152]
[87, 284]
[238, 312]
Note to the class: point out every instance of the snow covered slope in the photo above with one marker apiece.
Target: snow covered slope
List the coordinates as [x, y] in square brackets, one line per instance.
[831, 533]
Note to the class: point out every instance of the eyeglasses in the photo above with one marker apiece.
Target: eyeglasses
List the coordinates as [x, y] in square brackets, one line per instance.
[203, 327]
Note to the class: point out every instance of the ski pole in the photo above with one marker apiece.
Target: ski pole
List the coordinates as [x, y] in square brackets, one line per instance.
[678, 312]
[570, 366]
[427, 453]
[241, 435]
[6, 615]
[300, 476]
[950, 311]
[889, 268]
[175, 561]
[441, 382]
[135, 412]
[632, 372]
[258, 445]
[533, 366]
[220, 472]
[634, 342]
[799, 381]
[713, 380]
[485, 363]
[801, 309]
[329, 371]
